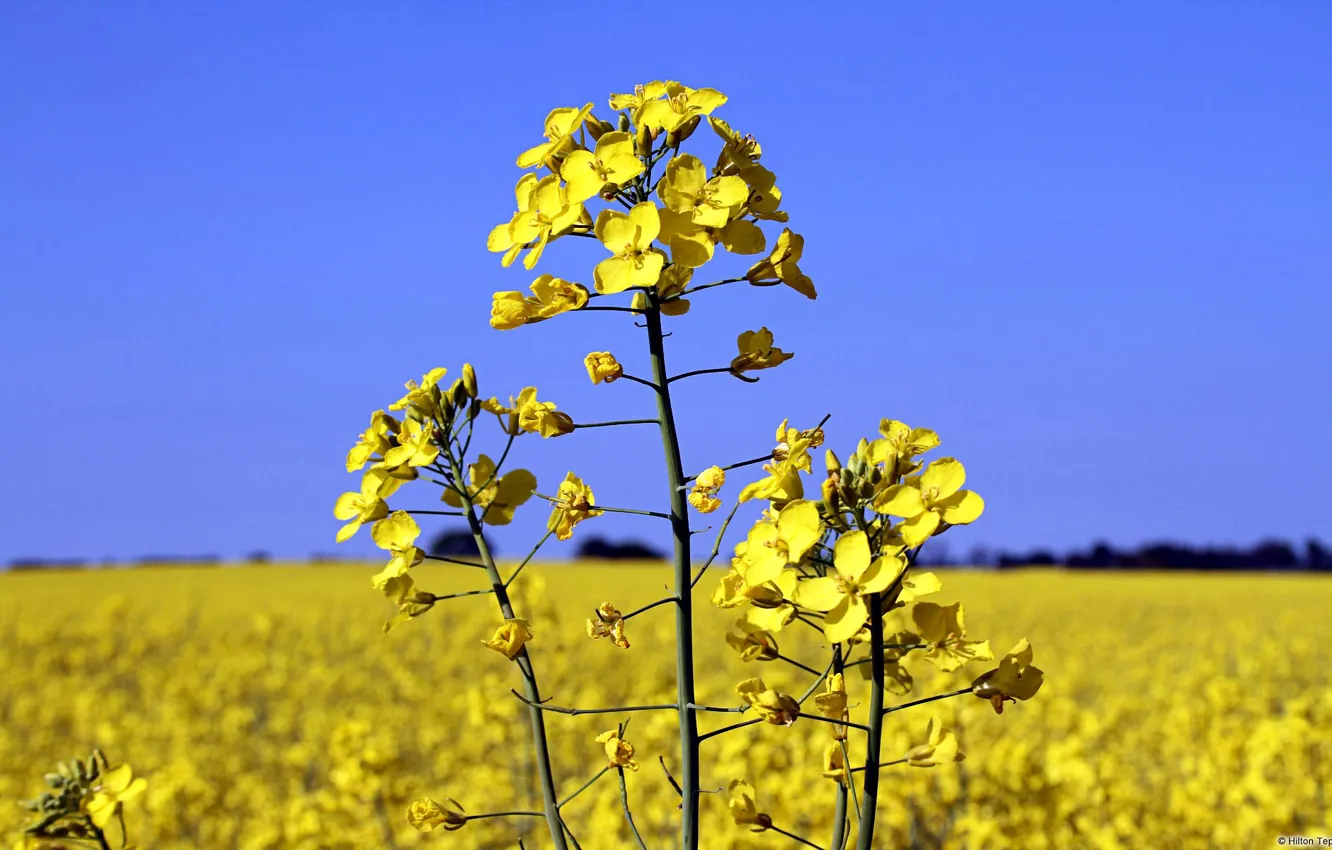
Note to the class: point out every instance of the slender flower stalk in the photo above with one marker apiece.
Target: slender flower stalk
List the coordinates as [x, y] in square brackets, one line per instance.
[874, 743]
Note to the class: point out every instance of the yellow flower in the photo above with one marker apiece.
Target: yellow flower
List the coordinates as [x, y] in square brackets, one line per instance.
[510, 638]
[426, 815]
[834, 763]
[544, 212]
[704, 495]
[681, 104]
[375, 440]
[916, 585]
[708, 203]
[944, 628]
[573, 504]
[692, 244]
[602, 366]
[776, 708]
[390, 478]
[940, 746]
[628, 236]
[502, 494]
[1014, 679]
[782, 266]
[608, 624]
[416, 445]
[642, 94]
[757, 352]
[619, 752]
[752, 642]
[613, 164]
[781, 486]
[553, 296]
[423, 397]
[926, 500]
[541, 417]
[832, 704]
[115, 786]
[397, 533]
[744, 811]
[560, 126]
[793, 445]
[771, 546]
[899, 446]
[362, 507]
[843, 595]
[412, 603]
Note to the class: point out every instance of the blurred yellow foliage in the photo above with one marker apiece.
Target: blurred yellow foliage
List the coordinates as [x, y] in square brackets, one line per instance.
[267, 709]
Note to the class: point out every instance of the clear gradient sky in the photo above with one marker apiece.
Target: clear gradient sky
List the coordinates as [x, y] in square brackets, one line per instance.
[1089, 243]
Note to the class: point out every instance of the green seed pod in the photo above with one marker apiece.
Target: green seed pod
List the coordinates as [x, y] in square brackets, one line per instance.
[623, 124]
[469, 380]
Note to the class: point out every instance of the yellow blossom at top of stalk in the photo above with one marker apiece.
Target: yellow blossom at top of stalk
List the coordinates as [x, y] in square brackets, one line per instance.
[511, 637]
[416, 445]
[619, 752]
[501, 495]
[681, 104]
[110, 791]
[544, 212]
[609, 623]
[613, 164]
[944, 628]
[574, 503]
[899, 446]
[940, 746]
[628, 236]
[930, 498]
[602, 366]
[641, 94]
[757, 352]
[365, 506]
[859, 575]
[560, 125]
[552, 296]
[423, 397]
[426, 815]
[782, 266]
[776, 708]
[1015, 678]
[375, 440]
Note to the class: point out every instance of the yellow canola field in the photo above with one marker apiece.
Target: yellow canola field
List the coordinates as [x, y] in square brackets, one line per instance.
[267, 709]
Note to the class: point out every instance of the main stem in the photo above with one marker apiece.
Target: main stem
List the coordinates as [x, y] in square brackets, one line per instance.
[684, 604]
[870, 795]
[839, 827]
[549, 799]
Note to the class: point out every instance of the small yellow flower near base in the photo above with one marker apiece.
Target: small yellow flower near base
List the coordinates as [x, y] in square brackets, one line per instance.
[1014, 679]
[602, 366]
[781, 266]
[944, 627]
[704, 495]
[609, 623]
[113, 788]
[940, 748]
[574, 503]
[427, 815]
[619, 752]
[834, 763]
[832, 705]
[757, 352]
[744, 811]
[510, 638]
[776, 708]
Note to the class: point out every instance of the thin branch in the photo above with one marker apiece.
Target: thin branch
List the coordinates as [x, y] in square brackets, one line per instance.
[767, 457]
[617, 422]
[448, 560]
[576, 711]
[704, 286]
[463, 593]
[730, 728]
[792, 835]
[716, 547]
[586, 785]
[795, 663]
[624, 800]
[529, 557]
[638, 380]
[926, 699]
[436, 513]
[667, 600]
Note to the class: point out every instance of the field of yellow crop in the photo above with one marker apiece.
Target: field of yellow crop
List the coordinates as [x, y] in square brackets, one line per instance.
[267, 709]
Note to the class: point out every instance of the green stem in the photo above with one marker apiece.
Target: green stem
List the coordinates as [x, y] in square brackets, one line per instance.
[698, 372]
[574, 712]
[684, 611]
[624, 799]
[924, 700]
[870, 795]
[616, 422]
[586, 785]
[524, 659]
[839, 815]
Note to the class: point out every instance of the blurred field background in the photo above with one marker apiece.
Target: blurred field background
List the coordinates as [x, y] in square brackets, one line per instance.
[267, 709]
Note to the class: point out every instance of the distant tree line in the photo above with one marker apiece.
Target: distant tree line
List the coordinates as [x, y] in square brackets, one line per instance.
[1275, 555]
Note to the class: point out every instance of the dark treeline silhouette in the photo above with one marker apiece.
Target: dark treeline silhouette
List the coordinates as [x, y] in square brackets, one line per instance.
[457, 543]
[599, 548]
[1275, 555]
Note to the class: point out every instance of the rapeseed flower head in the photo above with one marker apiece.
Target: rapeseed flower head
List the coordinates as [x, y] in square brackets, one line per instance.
[781, 266]
[628, 236]
[573, 504]
[940, 746]
[743, 808]
[112, 789]
[944, 628]
[704, 494]
[602, 366]
[511, 637]
[550, 297]
[843, 596]
[559, 128]
[926, 500]
[757, 352]
[609, 623]
[619, 752]
[612, 165]
[1014, 679]
[776, 708]
[426, 815]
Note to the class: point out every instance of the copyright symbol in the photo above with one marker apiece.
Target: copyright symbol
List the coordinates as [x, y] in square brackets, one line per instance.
[1281, 840]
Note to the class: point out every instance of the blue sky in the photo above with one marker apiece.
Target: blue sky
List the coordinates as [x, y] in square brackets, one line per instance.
[1087, 243]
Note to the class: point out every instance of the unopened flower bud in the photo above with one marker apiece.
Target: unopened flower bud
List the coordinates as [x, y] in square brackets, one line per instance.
[830, 462]
[643, 141]
[623, 124]
[469, 380]
[677, 136]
